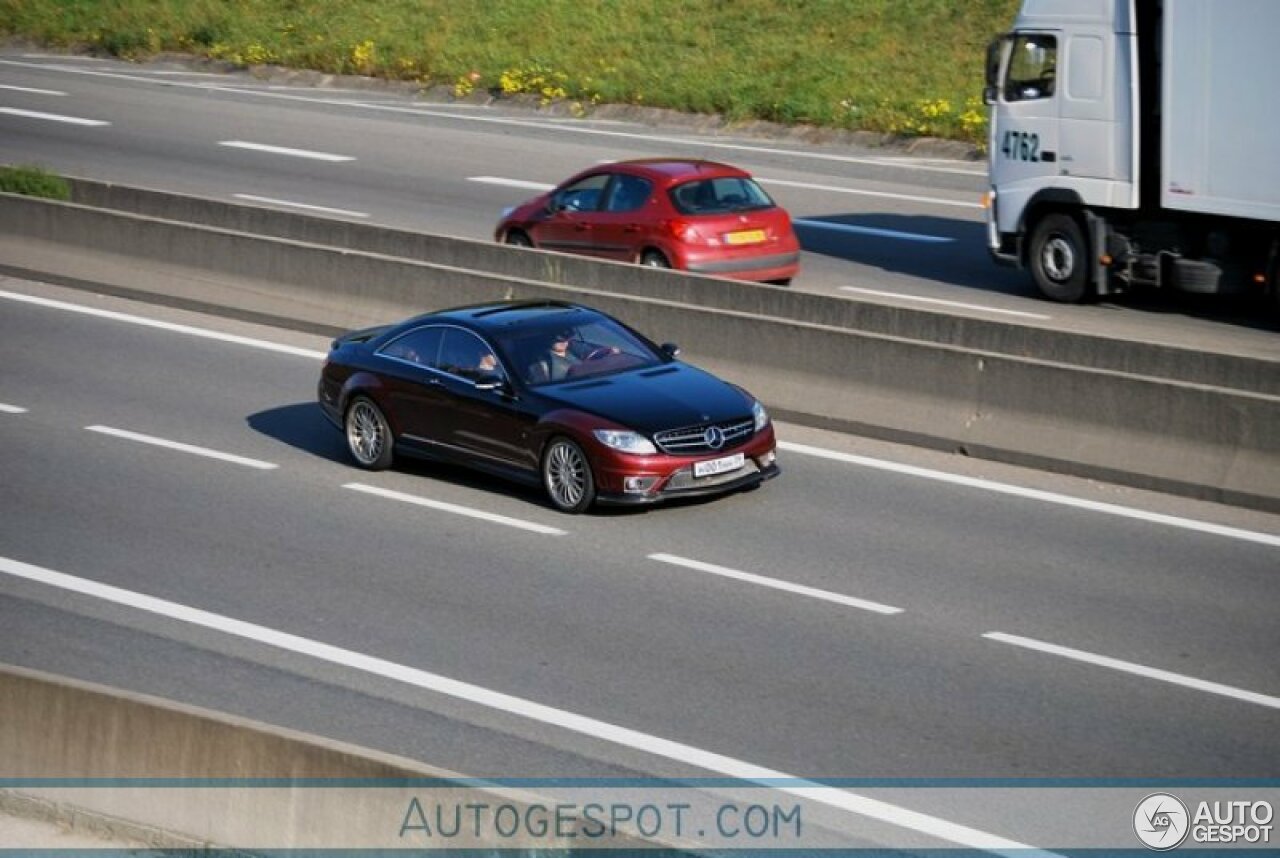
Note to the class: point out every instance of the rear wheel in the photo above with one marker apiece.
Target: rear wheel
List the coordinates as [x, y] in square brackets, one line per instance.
[567, 477]
[654, 259]
[1060, 259]
[368, 435]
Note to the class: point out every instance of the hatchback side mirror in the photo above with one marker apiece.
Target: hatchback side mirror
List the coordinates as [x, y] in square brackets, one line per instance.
[671, 350]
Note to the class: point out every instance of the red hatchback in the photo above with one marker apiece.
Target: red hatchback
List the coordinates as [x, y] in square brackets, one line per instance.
[697, 216]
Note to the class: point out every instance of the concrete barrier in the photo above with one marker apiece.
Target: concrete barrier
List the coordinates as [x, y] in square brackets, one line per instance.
[1042, 343]
[139, 768]
[1148, 431]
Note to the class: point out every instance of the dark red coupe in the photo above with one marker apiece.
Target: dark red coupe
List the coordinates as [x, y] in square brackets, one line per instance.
[546, 393]
[697, 216]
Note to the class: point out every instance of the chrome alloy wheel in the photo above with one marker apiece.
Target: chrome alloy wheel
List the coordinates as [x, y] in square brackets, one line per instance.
[567, 476]
[368, 436]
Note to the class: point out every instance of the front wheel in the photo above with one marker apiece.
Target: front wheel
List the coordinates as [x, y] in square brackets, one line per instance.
[516, 238]
[1060, 259]
[567, 477]
[368, 435]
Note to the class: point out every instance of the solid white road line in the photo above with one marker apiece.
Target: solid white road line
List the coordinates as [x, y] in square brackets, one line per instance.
[943, 303]
[30, 89]
[511, 183]
[269, 201]
[873, 231]
[12, 409]
[1137, 669]
[859, 805]
[52, 117]
[456, 509]
[164, 326]
[203, 452]
[935, 201]
[1034, 494]
[775, 584]
[284, 150]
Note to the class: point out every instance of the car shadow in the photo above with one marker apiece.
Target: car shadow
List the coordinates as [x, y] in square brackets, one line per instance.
[954, 252]
[304, 427]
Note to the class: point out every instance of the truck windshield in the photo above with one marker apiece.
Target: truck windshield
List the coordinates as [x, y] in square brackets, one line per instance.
[1033, 65]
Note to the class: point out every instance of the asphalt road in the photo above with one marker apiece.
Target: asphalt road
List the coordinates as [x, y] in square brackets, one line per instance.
[876, 224]
[922, 646]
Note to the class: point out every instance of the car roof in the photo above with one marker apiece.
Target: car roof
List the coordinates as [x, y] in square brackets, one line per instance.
[671, 170]
[497, 315]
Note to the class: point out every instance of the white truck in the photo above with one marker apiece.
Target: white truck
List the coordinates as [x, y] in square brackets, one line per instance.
[1137, 143]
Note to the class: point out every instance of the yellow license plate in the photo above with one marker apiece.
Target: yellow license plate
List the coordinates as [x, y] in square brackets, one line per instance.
[746, 236]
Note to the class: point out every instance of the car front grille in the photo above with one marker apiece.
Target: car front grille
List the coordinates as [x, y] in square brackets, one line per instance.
[692, 440]
[683, 479]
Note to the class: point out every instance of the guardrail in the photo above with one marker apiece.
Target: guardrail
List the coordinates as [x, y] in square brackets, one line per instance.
[1109, 422]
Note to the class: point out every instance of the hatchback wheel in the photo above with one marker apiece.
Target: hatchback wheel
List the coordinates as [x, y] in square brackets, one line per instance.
[518, 239]
[567, 477]
[654, 259]
[368, 435]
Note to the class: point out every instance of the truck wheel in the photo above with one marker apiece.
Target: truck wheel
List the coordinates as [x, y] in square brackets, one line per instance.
[1060, 259]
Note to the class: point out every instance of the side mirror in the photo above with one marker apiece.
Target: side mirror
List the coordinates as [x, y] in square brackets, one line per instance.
[671, 350]
[990, 94]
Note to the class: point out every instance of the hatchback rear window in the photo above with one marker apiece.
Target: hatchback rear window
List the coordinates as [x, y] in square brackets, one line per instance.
[719, 196]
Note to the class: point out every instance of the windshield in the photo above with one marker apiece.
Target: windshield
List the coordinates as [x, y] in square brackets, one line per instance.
[580, 348]
[719, 196]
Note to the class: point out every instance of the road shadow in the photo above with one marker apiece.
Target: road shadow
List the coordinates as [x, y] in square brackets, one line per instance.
[304, 427]
[954, 252]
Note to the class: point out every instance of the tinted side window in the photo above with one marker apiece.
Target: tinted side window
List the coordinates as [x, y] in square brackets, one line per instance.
[465, 354]
[628, 193]
[420, 346]
[583, 195]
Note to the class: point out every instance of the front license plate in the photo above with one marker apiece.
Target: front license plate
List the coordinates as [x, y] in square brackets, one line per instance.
[719, 466]
[746, 236]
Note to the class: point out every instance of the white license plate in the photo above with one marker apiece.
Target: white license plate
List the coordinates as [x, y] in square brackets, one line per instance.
[712, 467]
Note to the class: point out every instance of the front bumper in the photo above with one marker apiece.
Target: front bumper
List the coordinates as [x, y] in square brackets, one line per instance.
[712, 486]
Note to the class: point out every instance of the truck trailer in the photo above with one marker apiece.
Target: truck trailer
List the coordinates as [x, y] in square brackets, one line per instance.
[1136, 143]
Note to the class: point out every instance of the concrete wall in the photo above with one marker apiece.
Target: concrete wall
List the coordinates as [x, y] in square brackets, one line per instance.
[1144, 430]
[174, 776]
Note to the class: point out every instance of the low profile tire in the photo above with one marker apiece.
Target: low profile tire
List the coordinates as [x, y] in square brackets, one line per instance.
[516, 238]
[368, 435]
[566, 475]
[654, 259]
[1060, 259]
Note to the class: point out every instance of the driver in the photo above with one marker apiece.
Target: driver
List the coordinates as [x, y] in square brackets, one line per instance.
[559, 358]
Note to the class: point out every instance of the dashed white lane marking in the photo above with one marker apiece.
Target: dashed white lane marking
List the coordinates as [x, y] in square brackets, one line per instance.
[849, 802]
[11, 409]
[1035, 494]
[52, 117]
[776, 584]
[943, 303]
[1137, 669]
[837, 189]
[456, 509]
[875, 232]
[284, 150]
[32, 90]
[203, 452]
[511, 183]
[307, 206]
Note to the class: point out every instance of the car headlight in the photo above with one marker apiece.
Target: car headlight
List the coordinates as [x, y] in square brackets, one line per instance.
[627, 442]
[759, 415]
[506, 212]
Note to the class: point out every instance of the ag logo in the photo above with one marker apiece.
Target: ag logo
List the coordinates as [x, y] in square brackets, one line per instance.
[1161, 821]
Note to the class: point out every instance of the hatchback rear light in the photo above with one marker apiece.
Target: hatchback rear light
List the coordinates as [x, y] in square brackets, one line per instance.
[687, 232]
